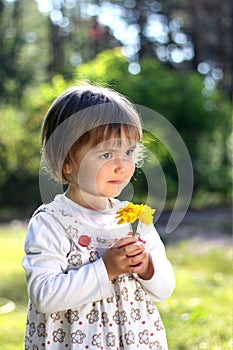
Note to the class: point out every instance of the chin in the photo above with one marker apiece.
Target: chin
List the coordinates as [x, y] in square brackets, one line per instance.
[109, 194]
[112, 192]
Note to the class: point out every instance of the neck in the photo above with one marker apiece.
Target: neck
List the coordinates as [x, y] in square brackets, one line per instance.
[86, 200]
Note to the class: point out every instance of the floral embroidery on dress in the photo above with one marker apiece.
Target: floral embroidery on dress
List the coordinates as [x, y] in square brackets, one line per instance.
[120, 317]
[77, 337]
[93, 316]
[93, 256]
[59, 335]
[109, 300]
[75, 259]
[64, 213]
[110, 339]
[125, 293]
[72, 316]
[72, 231]
[101, 240]
[155, 346]
[135, 314]
[32, 328]
[41, 330]
[27, 343]
[55, 316]
[144, 337]
[139, 295]
[150, 307]
[159, 325]
[104, 318]
[97, 340]
[130, 337]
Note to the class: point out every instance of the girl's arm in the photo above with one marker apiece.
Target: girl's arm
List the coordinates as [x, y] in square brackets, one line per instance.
[162, 283]
[50, 287]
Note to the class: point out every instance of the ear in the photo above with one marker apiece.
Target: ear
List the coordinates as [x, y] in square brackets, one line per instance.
[67, 168]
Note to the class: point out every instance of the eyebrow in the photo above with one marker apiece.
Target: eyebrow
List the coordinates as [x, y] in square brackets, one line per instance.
[111, 149]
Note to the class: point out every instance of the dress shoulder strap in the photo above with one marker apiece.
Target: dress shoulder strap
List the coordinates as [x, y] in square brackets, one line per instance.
[62, 214]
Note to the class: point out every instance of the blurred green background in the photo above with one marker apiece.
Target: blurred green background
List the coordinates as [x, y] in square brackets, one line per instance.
[175, 57]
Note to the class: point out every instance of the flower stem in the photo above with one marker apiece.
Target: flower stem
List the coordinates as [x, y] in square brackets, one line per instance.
[134, 227]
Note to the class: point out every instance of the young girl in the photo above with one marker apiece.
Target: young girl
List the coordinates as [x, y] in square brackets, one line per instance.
[92, 285]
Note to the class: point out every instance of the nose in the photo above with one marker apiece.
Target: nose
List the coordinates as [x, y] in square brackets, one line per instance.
[120, 165]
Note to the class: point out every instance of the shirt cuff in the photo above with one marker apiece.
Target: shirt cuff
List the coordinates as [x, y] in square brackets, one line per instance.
[106, 287]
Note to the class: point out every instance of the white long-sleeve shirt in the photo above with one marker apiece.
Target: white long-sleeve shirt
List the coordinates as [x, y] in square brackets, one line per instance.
[66, 276]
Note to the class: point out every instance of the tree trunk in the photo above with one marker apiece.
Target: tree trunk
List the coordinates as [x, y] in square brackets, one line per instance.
[57, 49]
[197, 33]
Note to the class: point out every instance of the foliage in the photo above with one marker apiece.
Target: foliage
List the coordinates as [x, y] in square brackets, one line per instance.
[18, 158]
[20, 148]
[202, 119]
[21, 45]
[192, 317]
[180, 34]
[68, 33]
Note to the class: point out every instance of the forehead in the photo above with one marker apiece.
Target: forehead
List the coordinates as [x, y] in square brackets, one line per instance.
[107, 136]
[114, 133]
[115, 144]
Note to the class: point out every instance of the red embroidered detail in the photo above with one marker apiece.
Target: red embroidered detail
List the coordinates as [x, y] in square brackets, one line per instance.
[141, 240]
[84, 240]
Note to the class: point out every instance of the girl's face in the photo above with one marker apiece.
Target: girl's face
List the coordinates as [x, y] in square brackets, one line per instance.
[102, 172]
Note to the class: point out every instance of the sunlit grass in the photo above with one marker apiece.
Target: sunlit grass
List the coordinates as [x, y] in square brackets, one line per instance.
[12, 286]
[197, 315]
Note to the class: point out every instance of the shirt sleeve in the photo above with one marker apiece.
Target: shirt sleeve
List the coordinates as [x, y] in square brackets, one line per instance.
[50, 287]
[162, 283]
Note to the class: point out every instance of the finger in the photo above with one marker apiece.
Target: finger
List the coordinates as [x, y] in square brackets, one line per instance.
[121, 242]
[134, 249]
[137, 259]
[136, 268]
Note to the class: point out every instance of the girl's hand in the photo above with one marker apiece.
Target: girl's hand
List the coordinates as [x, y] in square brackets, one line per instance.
[128, 255]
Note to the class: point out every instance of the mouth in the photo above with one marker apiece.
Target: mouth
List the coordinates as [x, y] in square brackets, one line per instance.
[115, 182]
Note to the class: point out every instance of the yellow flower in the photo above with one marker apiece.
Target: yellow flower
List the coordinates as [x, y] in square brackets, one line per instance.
[129, 213]
[146, 215]
[132, 212]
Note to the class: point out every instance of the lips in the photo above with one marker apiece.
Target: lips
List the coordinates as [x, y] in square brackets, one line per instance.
[115, 182]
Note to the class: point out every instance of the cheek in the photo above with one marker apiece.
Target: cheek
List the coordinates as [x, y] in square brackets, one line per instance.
[109, 168]
[130, 169]
[102, 172]
[86, 173]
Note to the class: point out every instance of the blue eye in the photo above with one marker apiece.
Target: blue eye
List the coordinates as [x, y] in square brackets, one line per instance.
[130, 152]
[106, 156]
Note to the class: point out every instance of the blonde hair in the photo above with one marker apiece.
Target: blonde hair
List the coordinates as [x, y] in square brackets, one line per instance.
[83, 115]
